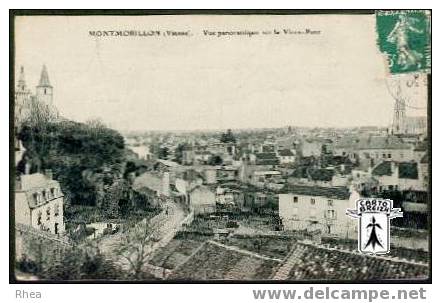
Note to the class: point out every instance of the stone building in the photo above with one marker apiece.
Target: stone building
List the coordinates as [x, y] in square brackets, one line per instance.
[202, 200]
[39, 202]
[313, 208]
[24, 98]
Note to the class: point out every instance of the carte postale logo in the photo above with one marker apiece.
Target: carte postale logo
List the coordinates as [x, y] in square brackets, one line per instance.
[374, 217]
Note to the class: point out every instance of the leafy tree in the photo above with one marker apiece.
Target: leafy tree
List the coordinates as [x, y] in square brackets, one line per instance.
[215, 160]
[180, 151]
[228, 137]
[135, 248]
[70, 149]
[163, 153]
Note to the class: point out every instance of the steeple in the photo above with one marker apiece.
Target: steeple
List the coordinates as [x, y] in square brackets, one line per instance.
[44, 88]
[398, 124]
[44, 78]
[21, 85]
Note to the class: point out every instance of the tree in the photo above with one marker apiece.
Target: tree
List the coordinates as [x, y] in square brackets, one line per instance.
[215, 160]
[179, 152]
[228, 137]
[163, 153]
[77, 153]
[51, 261]
[135, 248]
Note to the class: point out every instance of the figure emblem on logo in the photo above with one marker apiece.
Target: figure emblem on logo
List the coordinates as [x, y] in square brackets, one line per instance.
[374, 217]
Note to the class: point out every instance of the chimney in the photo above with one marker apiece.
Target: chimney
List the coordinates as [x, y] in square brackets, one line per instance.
[392, 166]
[166, 184]
[27, 168]
[48, 173]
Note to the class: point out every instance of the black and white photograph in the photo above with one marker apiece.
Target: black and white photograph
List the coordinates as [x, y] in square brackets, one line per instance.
[222, 147]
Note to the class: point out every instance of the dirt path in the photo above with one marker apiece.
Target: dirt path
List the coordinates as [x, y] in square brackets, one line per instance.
[164, 226]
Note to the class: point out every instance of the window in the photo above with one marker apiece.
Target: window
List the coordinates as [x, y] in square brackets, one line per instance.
[39, 218]
[331, 214]
[384, 155]
[48, 214]
[295, 199]
[52, 192]
[389, 156]
[56, 210]
[312, 201]
[295, 213]
[330, 203]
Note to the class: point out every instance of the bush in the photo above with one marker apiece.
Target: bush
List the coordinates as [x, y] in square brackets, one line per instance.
[82, 156]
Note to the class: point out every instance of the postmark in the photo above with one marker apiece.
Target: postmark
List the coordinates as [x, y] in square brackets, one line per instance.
[404, 37]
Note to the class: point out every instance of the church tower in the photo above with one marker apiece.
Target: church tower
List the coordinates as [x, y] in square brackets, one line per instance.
[44, 88]
[398, 124]
[22, 94]
[22, 98]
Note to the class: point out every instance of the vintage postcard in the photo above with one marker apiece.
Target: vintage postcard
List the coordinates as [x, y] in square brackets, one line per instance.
[221, 146]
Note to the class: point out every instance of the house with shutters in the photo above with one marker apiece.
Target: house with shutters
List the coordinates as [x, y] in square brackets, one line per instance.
[314, 208]
[401, 176]
[39, 202]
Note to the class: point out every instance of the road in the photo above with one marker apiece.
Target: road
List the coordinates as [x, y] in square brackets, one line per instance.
[164, 225]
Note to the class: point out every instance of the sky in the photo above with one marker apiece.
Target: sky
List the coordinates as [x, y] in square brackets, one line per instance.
[333, 79]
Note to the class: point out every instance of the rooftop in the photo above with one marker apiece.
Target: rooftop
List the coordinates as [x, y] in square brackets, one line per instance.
[35, 181]
[339, 193]
[148, 180]
[383, 169]
[286, 153]
[425, 158]
[406, 170]
[372, 142]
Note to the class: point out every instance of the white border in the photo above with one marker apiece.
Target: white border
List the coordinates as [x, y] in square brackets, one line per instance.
[185, 292]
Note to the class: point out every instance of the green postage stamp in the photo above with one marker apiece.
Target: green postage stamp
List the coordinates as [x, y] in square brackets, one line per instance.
[404, 36]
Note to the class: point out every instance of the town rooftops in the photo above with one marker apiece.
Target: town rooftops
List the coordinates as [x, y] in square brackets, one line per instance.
[338, 193]
[37, 189]
[425, 158]
[267, 159]
[383, 169]
[169, 163]
[372, 142]
[35, 181]
[315, 174]
[406, 170]
[321, 174]
[421, 147]
[200, 188]
[382, 142]
[149, 180]
[262, 156]
[267, 172]
[285, 153]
